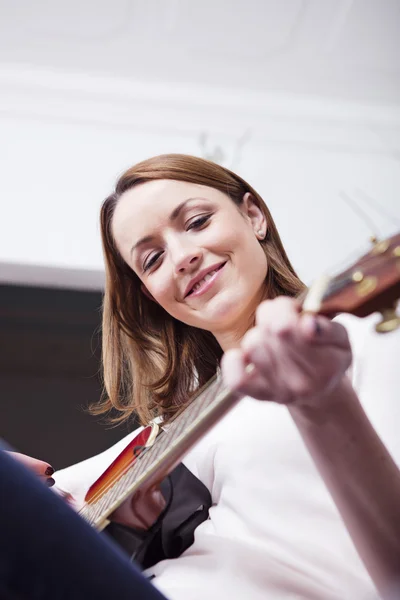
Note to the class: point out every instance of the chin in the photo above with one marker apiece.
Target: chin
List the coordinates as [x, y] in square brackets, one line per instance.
[224, 313]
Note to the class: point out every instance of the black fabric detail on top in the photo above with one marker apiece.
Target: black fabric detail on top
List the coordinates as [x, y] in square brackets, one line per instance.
[188, 502]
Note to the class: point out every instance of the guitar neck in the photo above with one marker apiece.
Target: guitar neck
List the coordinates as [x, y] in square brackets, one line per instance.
[372, 283]
[155, 462]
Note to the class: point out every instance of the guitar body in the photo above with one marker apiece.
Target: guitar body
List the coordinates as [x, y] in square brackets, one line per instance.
[128, 498]
[154, 522]
[141, 508]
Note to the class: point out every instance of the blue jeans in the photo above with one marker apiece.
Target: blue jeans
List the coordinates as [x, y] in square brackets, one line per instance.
[47, 552]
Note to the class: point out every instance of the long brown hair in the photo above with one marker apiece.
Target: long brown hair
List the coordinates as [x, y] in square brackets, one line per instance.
[152, 363]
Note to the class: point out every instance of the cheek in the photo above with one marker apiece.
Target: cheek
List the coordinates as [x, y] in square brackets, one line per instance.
[224, 240]
[245, 244]
[160, 288]
[253, 261]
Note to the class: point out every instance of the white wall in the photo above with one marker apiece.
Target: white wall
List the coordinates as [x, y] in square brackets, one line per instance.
[65, 139]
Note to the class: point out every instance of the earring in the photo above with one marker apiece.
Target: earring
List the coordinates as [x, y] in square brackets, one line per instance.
[261, 233]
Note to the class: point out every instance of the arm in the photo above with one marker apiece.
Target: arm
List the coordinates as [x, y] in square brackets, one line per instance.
[361, 476]
[300, 361]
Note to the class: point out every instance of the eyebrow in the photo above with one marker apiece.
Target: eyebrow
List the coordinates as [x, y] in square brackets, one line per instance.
[172, 217]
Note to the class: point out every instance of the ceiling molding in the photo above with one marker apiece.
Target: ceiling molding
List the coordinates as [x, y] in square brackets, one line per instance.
[51, 277]
[166, 109]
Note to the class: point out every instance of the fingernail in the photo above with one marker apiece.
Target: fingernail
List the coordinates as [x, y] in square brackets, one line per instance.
[49, 471]
[317, 327]
[50, 481]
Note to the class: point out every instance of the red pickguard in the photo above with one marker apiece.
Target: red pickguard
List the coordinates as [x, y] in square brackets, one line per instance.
[119, 466]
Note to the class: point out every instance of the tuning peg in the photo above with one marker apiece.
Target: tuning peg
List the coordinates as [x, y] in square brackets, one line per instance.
[390, 321]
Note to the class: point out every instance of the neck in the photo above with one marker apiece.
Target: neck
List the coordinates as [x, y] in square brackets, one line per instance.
[231, 337]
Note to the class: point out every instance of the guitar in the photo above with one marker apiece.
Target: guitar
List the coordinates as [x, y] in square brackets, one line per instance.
[369, 285]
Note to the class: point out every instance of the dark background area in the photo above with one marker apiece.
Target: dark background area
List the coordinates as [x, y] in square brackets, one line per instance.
[50, 349]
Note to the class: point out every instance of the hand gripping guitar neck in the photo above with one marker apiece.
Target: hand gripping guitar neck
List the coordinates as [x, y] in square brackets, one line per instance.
[371, 284]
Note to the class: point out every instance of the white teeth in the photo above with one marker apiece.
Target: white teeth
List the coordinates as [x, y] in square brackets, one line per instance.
[205, 278]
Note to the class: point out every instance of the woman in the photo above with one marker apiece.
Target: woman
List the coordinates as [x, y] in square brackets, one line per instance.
[196, 273]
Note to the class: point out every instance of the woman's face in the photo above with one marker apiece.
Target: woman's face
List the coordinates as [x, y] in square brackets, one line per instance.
[197, 254]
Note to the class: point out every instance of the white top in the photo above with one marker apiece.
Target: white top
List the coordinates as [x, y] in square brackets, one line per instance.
[274, 531]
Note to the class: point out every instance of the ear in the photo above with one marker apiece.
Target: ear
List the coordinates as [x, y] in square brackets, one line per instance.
[146, 292]
[255, 216]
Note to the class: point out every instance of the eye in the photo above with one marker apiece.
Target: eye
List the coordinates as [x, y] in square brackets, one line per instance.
[199, 222]
[151, 262]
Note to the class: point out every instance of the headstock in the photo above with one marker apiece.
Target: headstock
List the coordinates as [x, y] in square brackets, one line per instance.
[371, 284]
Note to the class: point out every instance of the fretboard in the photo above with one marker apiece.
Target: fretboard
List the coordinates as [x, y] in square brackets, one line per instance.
[154, 463]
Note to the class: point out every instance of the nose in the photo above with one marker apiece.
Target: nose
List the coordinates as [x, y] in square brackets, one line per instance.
[186, 258]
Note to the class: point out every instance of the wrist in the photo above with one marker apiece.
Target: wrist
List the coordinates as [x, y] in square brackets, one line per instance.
[327, 407]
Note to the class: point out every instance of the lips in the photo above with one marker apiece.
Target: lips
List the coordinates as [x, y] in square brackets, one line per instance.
[202, 278]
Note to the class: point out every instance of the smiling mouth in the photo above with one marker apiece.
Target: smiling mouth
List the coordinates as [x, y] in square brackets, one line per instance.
[206, 278]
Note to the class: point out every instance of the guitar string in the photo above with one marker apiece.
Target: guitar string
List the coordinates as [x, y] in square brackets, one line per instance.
[337, 285]
[162, 443]
[116, 485]
[111, 481]
[345, 278]
[205, 397]
[135, 467]
[174, 431]
[123, 483]
[334, 286]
